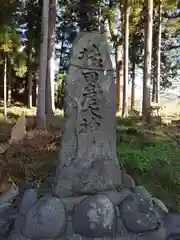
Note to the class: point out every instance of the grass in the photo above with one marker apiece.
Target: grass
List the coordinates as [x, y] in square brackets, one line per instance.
[153, 159]
[149, 155]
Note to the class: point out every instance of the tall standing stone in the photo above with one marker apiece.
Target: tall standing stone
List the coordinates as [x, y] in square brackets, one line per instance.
[87, 159]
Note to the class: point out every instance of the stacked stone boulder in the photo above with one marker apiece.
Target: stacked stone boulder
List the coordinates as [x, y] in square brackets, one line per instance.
[90, 197]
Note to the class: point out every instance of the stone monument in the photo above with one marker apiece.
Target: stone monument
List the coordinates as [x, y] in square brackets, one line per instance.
[91, 198]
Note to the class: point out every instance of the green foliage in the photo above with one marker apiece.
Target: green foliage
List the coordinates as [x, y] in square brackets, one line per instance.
[152, 159]
[60, 88]
[9, 39]
[66, 30]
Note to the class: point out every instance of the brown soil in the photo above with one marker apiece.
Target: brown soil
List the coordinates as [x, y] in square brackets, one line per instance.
[29, 160]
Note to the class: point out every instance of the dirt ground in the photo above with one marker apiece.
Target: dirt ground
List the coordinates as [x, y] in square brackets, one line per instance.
[29, 160]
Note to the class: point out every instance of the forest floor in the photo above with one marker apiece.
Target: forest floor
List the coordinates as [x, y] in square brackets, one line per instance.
[150, 154]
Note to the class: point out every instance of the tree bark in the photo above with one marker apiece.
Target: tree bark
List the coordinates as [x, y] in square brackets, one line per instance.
[30, 78]
[158, 53]
[119, 78]
[126, 59]
[154, 89]
[147, 58]
[41, 116]
[5, 88]
[50, 105]
[133, 85]
[9, 86]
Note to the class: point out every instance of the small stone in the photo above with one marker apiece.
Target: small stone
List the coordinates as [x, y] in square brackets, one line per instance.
[118, 197]
[160, 205]
[140, 190]
[159, 234]
[138, 214]
[7, 198]
[29, 198]
[19, 221]
[128, 181]
[79, 237]
[119, 237]
[17, 236]
[74, 237]
[97, 210]
[7, 221]
[46, 219]
[71, 202]
[172, 224]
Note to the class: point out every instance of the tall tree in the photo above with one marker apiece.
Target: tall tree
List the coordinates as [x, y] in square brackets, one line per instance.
[31, 38]
[5, 87]
[158, 51]
[148, 24]
[50, 105]
[29, 50]
[41, 115]
[119, 77]
[115, 32]
[135, 45]
[133, 81]
[126, 59]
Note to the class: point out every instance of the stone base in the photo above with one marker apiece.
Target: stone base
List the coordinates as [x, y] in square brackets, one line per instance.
[128, 214]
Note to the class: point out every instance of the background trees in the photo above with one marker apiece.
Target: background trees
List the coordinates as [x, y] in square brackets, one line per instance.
[22, 33]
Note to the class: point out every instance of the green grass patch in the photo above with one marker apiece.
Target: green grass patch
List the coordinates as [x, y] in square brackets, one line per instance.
[153, 160]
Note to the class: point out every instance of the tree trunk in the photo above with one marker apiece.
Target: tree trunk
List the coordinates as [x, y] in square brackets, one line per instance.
[158, 57]
[133, 85]
[126, 59]
[30, 79]
[119, 78]
[61, 68]
[154, 89]
[50, 105]
[9, 86]
[148, 18]
[5, 88]
[41, 115]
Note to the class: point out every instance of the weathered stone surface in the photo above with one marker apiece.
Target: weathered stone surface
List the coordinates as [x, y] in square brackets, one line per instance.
[159, 234]
[88, 162]
[159, 205]
[18, 224]
[29, 198]
[119, 237]
[138, 214]
[74, 237]
[7, 213]
[6, 221]
[46, 219]
[94, 217]
[79, 237]
[118, 197]
[71, 202]
[128, 181]
[172, 225]
[142, 191]
[5, 199]
[17, 236]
